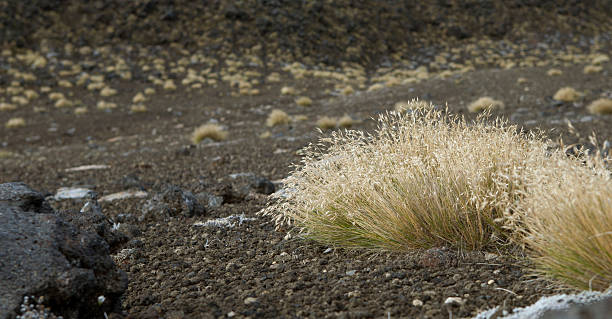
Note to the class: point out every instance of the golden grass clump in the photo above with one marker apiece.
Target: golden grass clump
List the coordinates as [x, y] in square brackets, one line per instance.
[138, 108]
[554, 72]
[139, 98]
[63, 102]
[599, 59]
[566, 94]
[375, 87]
[485, 103]
[347, 90]
[7, 106]
[277, 117]
[568, 223]
[15, 122]
[424, 179]
[326, 123]
[169, 85]
[403, 106]
[103, 105]
[600, 106]
[80, 110]
[210, 130]
[287, 90]
[149, 91]
[521, 80]
[346, 121]
[589, 69]
[303, 101]
[106, 91]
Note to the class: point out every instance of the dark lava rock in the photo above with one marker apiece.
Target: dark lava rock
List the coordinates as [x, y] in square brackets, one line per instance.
[21, 196]
[43, 255]
[172, 201]
[92, 220]
[245, 183]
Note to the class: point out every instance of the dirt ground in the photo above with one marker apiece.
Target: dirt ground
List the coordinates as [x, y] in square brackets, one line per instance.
[248, 269]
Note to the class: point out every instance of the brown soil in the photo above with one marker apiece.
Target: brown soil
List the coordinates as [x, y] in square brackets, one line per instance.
[252, 270]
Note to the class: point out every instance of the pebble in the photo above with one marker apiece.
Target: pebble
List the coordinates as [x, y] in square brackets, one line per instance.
[351, 272]
[417, 303]
[454, 301]
[250, 300]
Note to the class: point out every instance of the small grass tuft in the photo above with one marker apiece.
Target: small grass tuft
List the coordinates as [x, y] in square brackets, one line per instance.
[303, 101]
[346, 121]
[211, 130]
[7, 106]
[287, 90]
[589, 69]
[566, 94]
[600, 106]
[376, 87]
[327, 123]
[15, 122]
[554, 72]
[277, 117]
[485, 103]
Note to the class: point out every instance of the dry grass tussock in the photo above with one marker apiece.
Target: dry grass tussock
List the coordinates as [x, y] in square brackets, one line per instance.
[277, 117]
[485, 103]
[600, 106]
[429, 179]
[568, 222]
[567, 94]
[424, 179]
[211, 130]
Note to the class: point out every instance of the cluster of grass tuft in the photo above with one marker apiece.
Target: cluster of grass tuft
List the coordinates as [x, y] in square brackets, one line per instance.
[210, 130]
[568, 222]
[428, 179]
[425, 179]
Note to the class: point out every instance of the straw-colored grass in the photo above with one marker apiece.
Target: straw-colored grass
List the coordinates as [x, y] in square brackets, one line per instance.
[277, 117]
[346, 121]
[287, 90]
[600, 106]
[403, 106]
[424, 179]
[211, 130]
[7, 106]
[485, 103]
[304, 101]
[15, 122]
[568, 223]
[554, 72]
[589, 69]
[566, 94]
[327, 123]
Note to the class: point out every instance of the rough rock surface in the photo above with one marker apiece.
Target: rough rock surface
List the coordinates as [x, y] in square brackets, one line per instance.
[172, 201]
[43, 255]
[587, 304]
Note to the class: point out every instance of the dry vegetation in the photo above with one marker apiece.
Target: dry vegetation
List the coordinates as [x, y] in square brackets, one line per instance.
[600, 106]
[210, 130]
[429, 179]
[566, 94]
[485, 103]
[277, 117]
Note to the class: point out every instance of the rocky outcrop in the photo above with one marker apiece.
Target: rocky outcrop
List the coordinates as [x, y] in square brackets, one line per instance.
[42, 254]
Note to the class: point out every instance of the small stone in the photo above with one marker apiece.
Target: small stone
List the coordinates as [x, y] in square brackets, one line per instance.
[327, 251]
[231, 314]
[351, 272]
[490, 282]
[250, 300]
[417, 303]
[454, 301]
